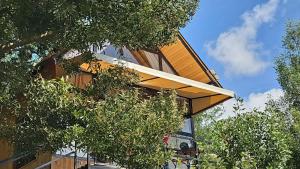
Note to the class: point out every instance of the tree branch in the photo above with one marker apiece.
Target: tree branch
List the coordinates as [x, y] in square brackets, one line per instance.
[79, 59]
[12, 45]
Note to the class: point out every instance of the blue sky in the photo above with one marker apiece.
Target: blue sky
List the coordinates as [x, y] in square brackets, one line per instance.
[240, 39]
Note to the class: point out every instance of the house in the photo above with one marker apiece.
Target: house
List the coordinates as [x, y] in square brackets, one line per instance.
[175, 66]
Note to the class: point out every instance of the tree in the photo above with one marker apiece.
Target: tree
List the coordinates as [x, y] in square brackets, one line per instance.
[288, 71]
[36, 29]
[51, 114]
[138, 132]
[256, 139]
[70, 24]
[129, 125]
[288, 64]
[121, 122]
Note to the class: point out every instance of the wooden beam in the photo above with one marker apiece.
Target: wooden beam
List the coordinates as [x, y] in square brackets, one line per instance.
[141, 58]
[207, 96]
[160, 62]
[166, 60]
[184, 87]
[153, 78]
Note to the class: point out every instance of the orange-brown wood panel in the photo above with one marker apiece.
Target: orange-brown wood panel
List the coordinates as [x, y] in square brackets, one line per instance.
[160, 83]
[185, 63]
[64, 163]
[81, 80]
[204, 103]
[192, 92]
[42, 158]
[6, 151]
[67, 162]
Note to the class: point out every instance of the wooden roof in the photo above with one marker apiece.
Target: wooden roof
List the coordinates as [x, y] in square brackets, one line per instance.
[182, 59]
[175, 66]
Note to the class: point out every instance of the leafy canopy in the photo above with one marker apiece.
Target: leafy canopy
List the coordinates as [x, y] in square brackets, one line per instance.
[39, 114]
[72, 24]
[288, 71]
[122, 123]
[256, 139]
[288, 64]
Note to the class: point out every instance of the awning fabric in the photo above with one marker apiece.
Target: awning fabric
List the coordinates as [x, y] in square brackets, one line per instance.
[203, 95]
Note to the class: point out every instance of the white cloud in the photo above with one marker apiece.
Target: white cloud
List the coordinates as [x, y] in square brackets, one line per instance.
[237, 49]
[254, 100]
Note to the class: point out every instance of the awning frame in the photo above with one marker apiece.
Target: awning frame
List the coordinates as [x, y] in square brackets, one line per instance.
[161, 74]
[212, 90]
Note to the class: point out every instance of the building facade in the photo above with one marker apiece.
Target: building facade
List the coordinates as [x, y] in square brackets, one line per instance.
[176, 66]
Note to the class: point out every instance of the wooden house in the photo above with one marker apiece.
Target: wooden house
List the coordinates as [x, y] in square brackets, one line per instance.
[176, 66]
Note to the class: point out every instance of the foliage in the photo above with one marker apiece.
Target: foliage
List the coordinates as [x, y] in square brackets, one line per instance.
[122, 122]
[51, 114]
[42, 115]
[256, 139]
[134, 128]
[70, 24]
[33, 30]
[288, 71]
[128, 126]
[288, 64]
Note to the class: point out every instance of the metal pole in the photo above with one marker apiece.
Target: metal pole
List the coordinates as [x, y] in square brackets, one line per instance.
[75, 157]
[88, 157]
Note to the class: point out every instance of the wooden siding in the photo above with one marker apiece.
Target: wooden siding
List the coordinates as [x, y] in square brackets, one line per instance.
[67, 163]
[6, 151]
[41, 159]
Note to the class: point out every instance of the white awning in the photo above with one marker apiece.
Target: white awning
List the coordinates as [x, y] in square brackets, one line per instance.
[203, 95]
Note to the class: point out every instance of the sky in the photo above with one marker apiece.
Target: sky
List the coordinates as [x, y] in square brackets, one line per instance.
[240, 40]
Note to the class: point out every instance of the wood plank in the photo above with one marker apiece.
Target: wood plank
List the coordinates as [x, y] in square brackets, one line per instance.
[141, 58]
[183, 59]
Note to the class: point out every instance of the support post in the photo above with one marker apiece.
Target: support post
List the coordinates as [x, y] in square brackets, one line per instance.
[160, 63]
[88, 157]
[75, 157]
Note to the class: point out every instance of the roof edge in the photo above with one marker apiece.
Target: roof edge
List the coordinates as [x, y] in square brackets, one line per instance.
[199, 61]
